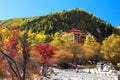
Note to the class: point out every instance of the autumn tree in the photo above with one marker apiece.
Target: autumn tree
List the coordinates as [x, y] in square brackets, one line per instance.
[61, 38]
[57, 40]
[40, 37]
[66, 37]
[4, 34]
[92, 49]
[111, 48]
[46, 52]
[89, 40]
[3, 71]
[62, 57]
[31, 37]
[10, 51]
[77, 50]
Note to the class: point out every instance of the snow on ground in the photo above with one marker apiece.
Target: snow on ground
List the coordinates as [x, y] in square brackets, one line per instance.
[84, 74]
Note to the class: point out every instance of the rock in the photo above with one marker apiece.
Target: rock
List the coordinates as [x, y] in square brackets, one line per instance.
[112, 72]
[119, 77]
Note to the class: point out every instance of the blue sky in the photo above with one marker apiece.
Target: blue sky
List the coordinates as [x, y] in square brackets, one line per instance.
[107, 10]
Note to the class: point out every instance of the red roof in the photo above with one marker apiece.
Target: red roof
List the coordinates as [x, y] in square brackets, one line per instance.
[74, 30]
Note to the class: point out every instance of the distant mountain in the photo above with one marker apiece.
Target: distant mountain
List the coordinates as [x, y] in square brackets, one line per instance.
[64, 21]
[118, 26]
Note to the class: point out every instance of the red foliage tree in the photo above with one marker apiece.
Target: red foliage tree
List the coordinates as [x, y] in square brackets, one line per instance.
[11, 45]
[46, 52]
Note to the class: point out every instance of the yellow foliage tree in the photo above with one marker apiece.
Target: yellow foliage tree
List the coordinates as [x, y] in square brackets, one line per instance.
[5, 34]
[111, 48]
[40, 37]
[92, 49]
[77, 50]
[57, 40]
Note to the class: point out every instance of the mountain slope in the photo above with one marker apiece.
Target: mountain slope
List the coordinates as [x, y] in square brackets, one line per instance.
[64, 21]
[16, 21]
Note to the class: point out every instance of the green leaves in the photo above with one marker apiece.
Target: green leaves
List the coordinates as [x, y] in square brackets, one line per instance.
[66, 20]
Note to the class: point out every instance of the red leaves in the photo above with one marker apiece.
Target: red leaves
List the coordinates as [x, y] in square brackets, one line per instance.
[11, 45]
[45, 51]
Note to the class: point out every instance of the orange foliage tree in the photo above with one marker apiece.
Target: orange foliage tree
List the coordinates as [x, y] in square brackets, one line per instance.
[77, 50]
[62, 56]
[11, 52]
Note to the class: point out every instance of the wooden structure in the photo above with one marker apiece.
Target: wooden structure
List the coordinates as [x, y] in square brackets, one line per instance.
[78, 35]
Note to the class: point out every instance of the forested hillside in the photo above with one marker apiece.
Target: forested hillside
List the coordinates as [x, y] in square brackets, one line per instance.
[16, 22]
[64, 21]
[27, 43]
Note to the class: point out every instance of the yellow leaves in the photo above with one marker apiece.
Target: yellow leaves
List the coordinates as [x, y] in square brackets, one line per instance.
[56, 42]
[21, 33]
[111, 43]
[88, 52]
[31, 35]
[36, 37]
[89, 40]
[5, 34]
[57, 34]
[63, 56]
[111, 47]
[5, 30]
[92, 49]
[67, 37]
[61, 39]
[40, 36]
[6, 39]
[91, 46]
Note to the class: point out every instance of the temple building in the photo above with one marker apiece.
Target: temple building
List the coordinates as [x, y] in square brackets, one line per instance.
[78, 35]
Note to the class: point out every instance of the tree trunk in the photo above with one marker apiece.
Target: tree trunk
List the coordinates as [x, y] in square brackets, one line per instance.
[17, 73]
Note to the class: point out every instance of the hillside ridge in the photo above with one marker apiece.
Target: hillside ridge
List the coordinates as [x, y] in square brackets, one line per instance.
[64, 21]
